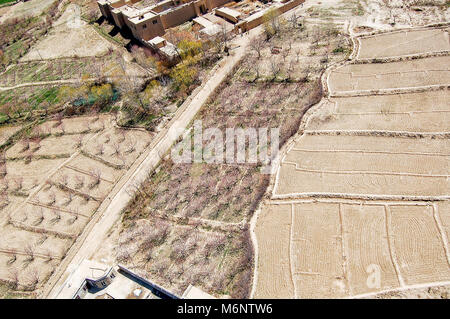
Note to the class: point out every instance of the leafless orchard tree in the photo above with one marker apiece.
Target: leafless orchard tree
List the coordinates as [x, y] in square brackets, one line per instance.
[79, 181]
[41, 239]
[257, 44]
[87, 126]
[56, 216]
[33, 278]
[223, 35]
[275, 67]
[284, 54]
[69, 197]
[58, 117]
[116, 149]
[39, 217]
[256, 69]
[48, 255]
[131, 146]
[13, 276]
[25, 144]
[3, 170]
[29, 251]
[63, 128]
[95, 176]
[122, 136]
[4, 199]
[18, 182]
[123, 255]
[293, 20]
[79, 141]
[64, 179]
[307, 70]
[51, 198]
[100, 149]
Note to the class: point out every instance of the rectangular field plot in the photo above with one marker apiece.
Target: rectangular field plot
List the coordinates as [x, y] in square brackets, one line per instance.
[365, 165]
[273, 235]
[294, 181]
[394, 75]
[366, 161]
[317, 251]
[413, 112]
[418, 244]
[333, 143]
[367, 248]
[404, 43]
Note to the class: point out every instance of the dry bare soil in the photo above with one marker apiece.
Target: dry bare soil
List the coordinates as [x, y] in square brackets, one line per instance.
[360, 203]
[52, 181]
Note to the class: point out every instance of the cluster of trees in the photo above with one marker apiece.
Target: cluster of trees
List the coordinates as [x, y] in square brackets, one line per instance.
[88, 97]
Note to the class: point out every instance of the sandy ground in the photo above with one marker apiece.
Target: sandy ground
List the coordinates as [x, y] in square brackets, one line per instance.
[25, 9]
[413, 112]
[68, 39]
[387, 76]
[61, 190]
[404, 43]
[332, 244]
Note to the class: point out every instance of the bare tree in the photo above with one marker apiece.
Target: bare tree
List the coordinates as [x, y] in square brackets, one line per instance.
[13, 277]
[257, 44]
[51, 198]
[275, 68]
[284, 54]
[18, 182]
[79, 182]
[96, 177]
[25, 144]
[69, 197]
[64, 179]
[39, 217]
[116, 149]
[293, 20]
[223, 35]
[4, 200]
[79, 141]
[33, 277]
[297, 54]
[57, 216]
[13, 257]
[131, 146]
[58, 117]
[100, 149]
[29, 251]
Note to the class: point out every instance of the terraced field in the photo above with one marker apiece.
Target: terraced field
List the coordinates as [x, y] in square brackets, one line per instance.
[360, 203]
[51, 186]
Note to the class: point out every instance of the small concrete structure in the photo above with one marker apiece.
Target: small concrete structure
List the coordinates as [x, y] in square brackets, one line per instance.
[93, 280]
[89, 274]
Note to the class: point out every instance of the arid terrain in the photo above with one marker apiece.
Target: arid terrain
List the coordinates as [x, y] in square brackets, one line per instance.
[358, 206]
[362, 192]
